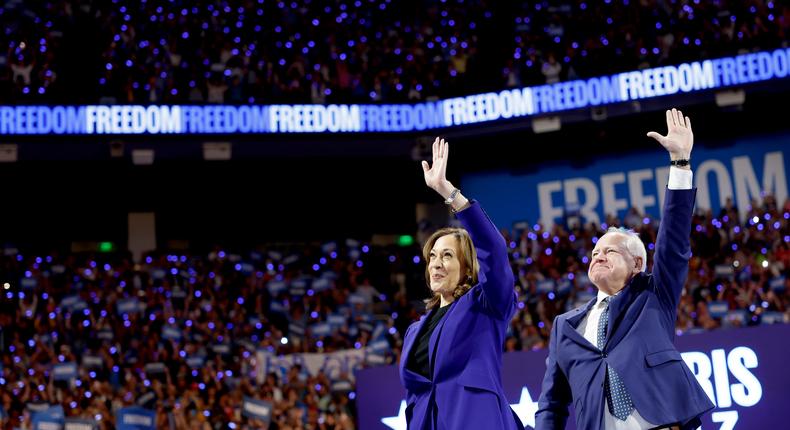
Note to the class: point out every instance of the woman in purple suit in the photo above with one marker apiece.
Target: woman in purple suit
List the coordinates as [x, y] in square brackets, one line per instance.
[451, 363]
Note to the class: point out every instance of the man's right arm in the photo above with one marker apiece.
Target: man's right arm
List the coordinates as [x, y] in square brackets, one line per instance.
[673, 244]
[555, 395]
[673, 251]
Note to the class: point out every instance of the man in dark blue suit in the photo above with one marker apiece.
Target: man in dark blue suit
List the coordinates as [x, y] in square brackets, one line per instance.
[614, 358]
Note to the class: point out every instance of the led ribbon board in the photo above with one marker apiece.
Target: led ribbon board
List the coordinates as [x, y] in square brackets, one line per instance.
[473, 109]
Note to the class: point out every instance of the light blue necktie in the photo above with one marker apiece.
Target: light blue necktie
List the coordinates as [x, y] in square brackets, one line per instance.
[617, 397]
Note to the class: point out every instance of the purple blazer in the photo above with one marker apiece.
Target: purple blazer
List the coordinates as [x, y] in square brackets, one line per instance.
[639, 343]
[466, 391]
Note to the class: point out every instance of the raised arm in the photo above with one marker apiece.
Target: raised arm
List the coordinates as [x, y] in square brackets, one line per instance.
[673, 248]
[495, 276]
[436, 176]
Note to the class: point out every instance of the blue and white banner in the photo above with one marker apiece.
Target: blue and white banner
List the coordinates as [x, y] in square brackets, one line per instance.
[247, 269]
[46, 416]
[277, 306]
[777, 284]
[321, 284]
[73, 303]
[332, 364]
[472, 109]
[340, 386]
[158, 274]
[135, 418]
[92, 362]
[336, 320]
[321, 329]
[80, 424]
[724, 271]
[146, 400]
[742, 172]
[54, 410]
[545, 286]
[772, 317]
[195, 362]
[155, 368]
[735, 318]
[379, 347]
[297, 290]
[221, 348]
[379, 331]
[357, 299]
[128, 306]
[718, 309]
[171, 332]
[47, 421]
[64, 371]
[296, 330]
[276, 287]
[257, 409]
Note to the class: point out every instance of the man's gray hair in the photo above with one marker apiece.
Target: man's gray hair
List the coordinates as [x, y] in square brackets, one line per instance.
[633, 243]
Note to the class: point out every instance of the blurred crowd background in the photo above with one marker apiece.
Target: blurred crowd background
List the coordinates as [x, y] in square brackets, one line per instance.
[181, 332]
[360, 51]
[190, 333]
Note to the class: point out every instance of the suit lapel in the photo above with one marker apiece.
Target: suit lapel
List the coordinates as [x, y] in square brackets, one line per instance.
[572, 323]
[618, 307]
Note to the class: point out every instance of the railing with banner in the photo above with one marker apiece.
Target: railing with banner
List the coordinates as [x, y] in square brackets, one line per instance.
[743, 371]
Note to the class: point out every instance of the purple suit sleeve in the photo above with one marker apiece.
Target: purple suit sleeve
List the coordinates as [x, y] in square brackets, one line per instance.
[555, 395]
[673, 249]
[495, 276]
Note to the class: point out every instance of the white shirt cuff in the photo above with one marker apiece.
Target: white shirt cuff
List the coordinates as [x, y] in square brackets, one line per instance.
[680, 179]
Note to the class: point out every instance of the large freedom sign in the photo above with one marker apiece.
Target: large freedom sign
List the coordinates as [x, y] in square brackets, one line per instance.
[742, 172]
[743, 371]
[472, 109]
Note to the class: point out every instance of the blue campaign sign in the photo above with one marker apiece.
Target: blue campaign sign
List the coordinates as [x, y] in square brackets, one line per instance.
[47, 421]
[80, 424]
[257, 409]
[48, 417]
[64, 371]
[743, 371]
[613, 185]
[472, 109]
[171, 332]
[718, 309]
[135, 418]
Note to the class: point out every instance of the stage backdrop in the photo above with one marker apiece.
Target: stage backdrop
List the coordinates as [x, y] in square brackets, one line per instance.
[613, 184]
[744, 372]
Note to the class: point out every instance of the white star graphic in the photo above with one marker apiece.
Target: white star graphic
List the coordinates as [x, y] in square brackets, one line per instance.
[398, 422]
[526, 408]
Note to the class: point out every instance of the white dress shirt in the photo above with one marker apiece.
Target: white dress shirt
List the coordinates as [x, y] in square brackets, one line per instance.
[589, 329]
[679, 179]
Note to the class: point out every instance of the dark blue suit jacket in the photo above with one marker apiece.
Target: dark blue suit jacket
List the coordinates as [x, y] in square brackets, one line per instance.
[465, 349]
[639, 343]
